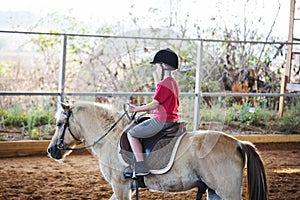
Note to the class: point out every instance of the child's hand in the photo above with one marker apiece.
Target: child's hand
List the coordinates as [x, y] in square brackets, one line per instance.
[131, 108]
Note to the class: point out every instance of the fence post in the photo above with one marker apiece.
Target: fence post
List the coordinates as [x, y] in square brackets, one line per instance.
[62, 68]
[285, 78]
[198, 85]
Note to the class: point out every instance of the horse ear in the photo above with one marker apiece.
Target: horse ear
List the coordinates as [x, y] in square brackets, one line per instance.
[67, 100]
[66, 106]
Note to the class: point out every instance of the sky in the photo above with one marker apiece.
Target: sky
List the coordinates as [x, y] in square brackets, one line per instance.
[203, 11]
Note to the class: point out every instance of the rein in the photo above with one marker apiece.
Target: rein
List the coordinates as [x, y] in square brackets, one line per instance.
[63, 147]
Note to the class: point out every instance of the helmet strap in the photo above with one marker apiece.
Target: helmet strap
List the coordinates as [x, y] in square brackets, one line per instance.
[162, 72]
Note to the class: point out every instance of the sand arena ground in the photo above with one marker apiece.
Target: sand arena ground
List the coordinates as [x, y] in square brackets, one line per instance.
[78, 177]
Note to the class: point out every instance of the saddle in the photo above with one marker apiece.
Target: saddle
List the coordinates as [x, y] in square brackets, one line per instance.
[158, 149]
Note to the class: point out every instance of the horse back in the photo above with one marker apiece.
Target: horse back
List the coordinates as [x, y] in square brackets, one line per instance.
[212, 143]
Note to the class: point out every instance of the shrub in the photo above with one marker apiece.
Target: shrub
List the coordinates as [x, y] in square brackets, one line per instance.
[28, 120]
[290, 122]
[13, 117]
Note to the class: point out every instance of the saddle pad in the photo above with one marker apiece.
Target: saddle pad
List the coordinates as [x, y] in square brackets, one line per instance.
[161, 159]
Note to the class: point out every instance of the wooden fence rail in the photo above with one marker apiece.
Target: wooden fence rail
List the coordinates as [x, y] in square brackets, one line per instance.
[39, 147]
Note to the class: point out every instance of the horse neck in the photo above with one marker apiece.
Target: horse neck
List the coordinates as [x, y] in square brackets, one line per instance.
[95, 122]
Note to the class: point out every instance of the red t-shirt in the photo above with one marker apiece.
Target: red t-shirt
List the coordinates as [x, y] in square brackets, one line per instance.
[166, 94]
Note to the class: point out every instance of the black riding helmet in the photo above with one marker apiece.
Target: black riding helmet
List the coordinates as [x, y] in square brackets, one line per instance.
[166, 56]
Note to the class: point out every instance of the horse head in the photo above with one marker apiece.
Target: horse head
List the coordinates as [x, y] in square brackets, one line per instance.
[83, 122]
[66, 135]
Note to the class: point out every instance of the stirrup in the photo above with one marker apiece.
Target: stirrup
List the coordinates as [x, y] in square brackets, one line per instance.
[128, 172]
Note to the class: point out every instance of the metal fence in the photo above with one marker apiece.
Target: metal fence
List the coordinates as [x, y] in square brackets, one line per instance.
[197, 94]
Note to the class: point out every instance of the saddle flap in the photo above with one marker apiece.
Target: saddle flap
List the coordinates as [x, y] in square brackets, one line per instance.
[124, 143]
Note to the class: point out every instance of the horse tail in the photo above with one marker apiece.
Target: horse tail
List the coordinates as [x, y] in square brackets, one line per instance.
[256, 175]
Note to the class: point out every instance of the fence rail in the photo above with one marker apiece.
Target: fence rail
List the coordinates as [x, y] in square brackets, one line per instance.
[150, 38]
[197, 94]
[116, 94]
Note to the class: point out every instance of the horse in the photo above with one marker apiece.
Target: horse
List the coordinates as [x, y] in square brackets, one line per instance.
[207, 157]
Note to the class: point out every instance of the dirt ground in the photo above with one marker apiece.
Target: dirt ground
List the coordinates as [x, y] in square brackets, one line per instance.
[78, 177]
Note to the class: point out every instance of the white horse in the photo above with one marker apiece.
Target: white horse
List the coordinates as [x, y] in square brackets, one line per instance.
[209, 158]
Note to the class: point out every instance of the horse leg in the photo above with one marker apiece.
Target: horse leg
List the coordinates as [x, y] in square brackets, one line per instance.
[202, 187]
[121, 187]
[121, 191]
[211, 195]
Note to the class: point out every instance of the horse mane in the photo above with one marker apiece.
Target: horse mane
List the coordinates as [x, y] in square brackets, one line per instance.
[98, 116]
[93, 107]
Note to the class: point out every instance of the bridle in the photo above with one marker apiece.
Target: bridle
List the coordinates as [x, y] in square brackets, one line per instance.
[66, 125]
[61, 146]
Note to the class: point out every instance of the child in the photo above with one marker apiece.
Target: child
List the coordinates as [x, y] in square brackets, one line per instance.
[164, 106]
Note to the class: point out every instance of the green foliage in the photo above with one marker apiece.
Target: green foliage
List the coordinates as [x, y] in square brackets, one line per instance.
[50, 44]
[210, 86]
[2, 138]
[217, 113]
[29, 121]
[5, 67]
[229, 101]
[259, 116]
[13, 117]
[290, 121]
[244, 115]
[248, 115]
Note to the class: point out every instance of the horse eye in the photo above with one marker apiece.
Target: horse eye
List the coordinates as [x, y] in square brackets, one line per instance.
[59, 124]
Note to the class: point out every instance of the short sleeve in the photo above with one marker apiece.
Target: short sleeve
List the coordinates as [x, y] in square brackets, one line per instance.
[161, 94]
